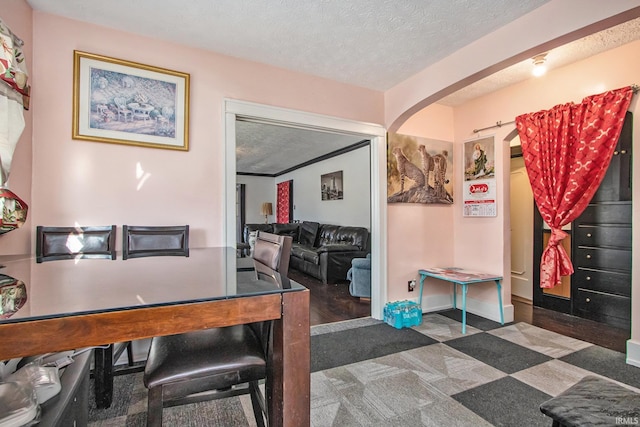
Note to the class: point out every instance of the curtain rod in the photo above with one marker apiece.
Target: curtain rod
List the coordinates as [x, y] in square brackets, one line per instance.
[498, 124]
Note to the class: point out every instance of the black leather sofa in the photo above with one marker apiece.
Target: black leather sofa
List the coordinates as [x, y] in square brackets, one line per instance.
[323, 251]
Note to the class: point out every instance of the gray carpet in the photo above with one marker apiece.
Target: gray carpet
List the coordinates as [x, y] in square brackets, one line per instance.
[366, 373]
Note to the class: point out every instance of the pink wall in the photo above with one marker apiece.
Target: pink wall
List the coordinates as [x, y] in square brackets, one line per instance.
[95, 183]
[420, 235]
[609, 70]
[441, 235]
[17, 15]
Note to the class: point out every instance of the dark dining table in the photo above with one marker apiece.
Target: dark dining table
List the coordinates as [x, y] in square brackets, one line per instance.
[76, 303]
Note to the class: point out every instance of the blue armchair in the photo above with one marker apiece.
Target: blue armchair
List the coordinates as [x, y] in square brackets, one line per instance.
[360, 276]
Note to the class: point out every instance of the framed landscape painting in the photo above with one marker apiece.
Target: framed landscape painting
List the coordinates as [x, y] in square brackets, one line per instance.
[125, 102]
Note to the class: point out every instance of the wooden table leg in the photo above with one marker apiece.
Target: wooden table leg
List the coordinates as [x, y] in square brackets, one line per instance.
[289, 378]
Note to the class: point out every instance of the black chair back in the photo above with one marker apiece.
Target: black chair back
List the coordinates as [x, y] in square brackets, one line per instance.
[273, 251]
[145, 241]
[56, 243]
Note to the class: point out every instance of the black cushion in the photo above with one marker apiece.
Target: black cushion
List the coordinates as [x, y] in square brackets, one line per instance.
[205, 360]
[592, 401]
[305, 253]
[308, 233]
[343, 235]
[286, 230]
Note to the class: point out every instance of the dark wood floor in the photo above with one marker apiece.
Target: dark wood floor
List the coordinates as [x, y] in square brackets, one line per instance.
[333, 303]
[572, 326]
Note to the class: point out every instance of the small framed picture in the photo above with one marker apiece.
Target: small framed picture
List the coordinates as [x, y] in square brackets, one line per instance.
[125, 102]
[331, 186]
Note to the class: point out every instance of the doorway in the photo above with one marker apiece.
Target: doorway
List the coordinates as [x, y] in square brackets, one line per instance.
[375, 133]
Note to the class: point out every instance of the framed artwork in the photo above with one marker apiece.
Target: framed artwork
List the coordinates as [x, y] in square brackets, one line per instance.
[124, 102]
[479, 187]
[419, 170]
[331, 186]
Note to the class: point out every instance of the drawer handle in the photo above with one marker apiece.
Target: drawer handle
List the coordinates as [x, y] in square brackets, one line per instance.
[588, 299]
[623, 151]
[615, 153]
[588, 277]
[588, 256]
[588, 234]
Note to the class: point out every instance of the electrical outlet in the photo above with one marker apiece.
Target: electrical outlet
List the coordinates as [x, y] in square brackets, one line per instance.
[411, 284]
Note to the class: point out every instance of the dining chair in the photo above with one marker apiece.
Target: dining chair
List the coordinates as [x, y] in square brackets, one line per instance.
[273, 250]
[59, 243]
[215, 363]
[146, 241]
[56, 243]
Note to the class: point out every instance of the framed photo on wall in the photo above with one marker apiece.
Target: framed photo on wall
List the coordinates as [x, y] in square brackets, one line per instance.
[331, 186]
[479, 187]
[125, 102]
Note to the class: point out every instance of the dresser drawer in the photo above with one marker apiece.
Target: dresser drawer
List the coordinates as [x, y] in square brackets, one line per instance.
[602, 259]
[612, 282]
[606, 213]
[611, 236]
[611, 309]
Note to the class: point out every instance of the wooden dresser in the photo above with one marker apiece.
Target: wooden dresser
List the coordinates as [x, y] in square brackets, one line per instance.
[601, 284]
[601, 236]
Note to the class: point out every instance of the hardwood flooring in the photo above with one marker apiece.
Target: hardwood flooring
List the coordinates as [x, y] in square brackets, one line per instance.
[576, 327]
[333, 303]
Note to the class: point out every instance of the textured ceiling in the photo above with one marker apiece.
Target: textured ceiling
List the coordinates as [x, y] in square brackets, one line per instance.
[370, 43]
[556, 58]
[272, 149]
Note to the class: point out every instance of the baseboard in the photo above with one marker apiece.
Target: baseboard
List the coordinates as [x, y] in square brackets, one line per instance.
[633, 353]
[522, 300]
[431, 303]
[484, 309]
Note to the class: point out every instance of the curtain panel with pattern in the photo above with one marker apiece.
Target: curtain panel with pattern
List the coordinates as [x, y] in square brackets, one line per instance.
[566, 152]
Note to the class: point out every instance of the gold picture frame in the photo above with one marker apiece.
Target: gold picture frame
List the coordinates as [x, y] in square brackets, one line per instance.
[124, 102]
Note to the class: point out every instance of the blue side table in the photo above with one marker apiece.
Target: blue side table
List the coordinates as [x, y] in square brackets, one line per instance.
[464, 278]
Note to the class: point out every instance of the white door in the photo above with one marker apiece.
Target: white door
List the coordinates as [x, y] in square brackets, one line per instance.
[521, 231]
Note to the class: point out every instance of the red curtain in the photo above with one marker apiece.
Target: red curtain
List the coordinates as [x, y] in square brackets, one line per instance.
[567, 151]
[283, 209]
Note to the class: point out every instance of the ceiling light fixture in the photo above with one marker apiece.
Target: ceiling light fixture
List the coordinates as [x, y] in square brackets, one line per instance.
[539, 67]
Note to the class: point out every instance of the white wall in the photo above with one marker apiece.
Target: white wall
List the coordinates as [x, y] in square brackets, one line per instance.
[353, 210]
[258, 190]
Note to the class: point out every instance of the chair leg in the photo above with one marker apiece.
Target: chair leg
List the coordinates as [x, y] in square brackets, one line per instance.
[103, 376]
[258, 404]
[130, 353]
[154, 407]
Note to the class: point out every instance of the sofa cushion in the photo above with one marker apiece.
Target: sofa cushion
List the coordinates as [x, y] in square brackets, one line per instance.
[286, 230]
[343, 235]
[305, 253]
[308, 233]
